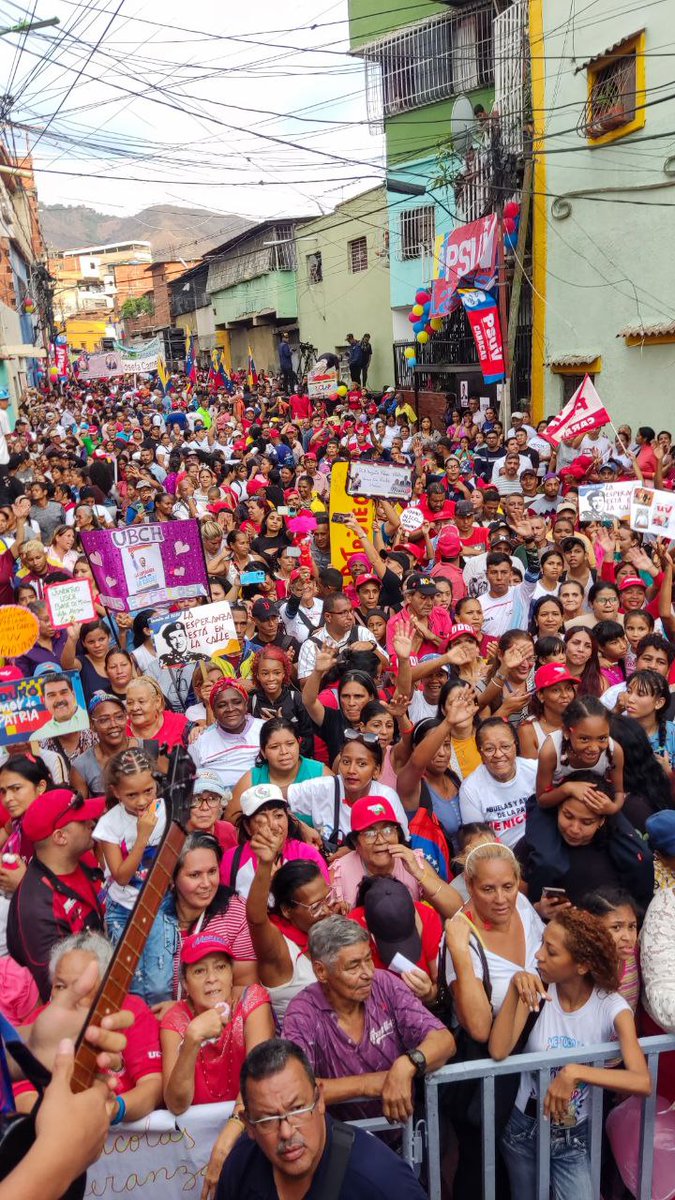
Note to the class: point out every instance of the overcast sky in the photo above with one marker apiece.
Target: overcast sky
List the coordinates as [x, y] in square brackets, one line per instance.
[164, 102]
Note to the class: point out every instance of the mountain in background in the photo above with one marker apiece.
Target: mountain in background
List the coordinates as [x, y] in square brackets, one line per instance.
[174, 231]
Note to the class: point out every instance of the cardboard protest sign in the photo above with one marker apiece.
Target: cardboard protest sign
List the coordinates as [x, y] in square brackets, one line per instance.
[384, 480]
[19, 630]
[37, 709]
[321, 381]
[343, 542]
[146, 565]
[197, 633]
[653, 512]
[600, 500]
[70, 602]
[412, 519]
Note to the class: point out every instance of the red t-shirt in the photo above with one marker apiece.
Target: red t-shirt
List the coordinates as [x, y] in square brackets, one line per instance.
[432, 932]
[477, 537]
[219, 1063]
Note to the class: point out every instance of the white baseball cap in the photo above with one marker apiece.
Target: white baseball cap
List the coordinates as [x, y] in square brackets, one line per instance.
[255, 797]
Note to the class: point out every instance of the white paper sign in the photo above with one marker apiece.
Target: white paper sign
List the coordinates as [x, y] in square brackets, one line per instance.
[194, 634]
[70, 602]
[412, 519]
[385, 480]
[600, 500]
[653, 512]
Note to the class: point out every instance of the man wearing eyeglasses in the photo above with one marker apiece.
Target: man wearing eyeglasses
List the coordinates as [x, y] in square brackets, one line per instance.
[59, 894]
[294, 1149]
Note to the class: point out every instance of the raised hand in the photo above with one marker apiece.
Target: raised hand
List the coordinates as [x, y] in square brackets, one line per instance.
[325, 659]
[403, 638]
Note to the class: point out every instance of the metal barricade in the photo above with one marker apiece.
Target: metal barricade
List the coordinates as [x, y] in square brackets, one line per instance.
[486, 1070]
[411, 1149]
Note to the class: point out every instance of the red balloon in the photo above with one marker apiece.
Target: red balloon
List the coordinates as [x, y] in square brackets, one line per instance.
[422, 297]
[509, 225]
[511, 209]
[429, 329]
[412, 318]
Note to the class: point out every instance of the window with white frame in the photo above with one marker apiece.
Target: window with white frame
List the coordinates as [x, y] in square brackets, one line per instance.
[417, 232]
[428, 61]
[357, 255]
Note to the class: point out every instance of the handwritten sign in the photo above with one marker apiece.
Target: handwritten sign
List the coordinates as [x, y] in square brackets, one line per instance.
[41, 708]
[321, 381]
[143, 566]
[411, 520]
[197, 633]
[70, 602]
[599, 500]
[19, 630]
[384, 480]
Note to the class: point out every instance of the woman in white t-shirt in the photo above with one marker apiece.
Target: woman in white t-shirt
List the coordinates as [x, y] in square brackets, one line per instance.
[578, 977]
[498, 790]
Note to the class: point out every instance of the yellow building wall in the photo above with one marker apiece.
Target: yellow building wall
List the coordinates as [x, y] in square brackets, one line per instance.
[86, 333]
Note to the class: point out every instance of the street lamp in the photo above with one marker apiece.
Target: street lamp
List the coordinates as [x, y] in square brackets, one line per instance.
[30, 26]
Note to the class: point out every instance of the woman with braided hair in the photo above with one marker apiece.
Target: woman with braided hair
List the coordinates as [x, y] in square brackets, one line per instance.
[576, 999]
[129, 834]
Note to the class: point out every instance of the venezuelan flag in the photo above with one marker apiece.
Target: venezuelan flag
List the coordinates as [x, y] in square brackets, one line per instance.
[251, 373]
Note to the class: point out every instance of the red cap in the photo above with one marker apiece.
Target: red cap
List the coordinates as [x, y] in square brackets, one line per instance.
[53, 810]
[415, 548]
[295, 574]
[310, 454]
[632, 581]
[459, 631]
[9, 674]
[370, 810]
[219, 506]
[551, 674]
[361, 579]
[198, 945]
[255, 485]
[448, 544]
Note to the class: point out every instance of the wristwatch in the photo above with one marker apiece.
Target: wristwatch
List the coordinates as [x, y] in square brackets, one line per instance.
[419, 1062]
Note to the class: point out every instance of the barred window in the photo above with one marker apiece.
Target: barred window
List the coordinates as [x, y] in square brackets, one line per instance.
[357, 252]
[314, 267]
[418, 232]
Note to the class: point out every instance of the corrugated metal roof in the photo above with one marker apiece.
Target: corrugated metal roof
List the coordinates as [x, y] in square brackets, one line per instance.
[638, 329]
[588, 62]
[572, 360]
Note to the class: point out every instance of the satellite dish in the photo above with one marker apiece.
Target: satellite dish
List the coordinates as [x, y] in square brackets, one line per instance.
[462, 124]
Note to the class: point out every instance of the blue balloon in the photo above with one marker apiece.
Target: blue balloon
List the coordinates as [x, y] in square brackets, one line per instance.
[510, 241]
[427, 308]
[418, 326]
[412, 362]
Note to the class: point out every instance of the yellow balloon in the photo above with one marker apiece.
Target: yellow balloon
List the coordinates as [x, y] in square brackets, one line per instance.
[342, 390]
[417, 309]
[422, 337]
[436, 323]
[409, 352]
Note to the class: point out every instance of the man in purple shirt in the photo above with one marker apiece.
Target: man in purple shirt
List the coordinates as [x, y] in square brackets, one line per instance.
[363, 1031]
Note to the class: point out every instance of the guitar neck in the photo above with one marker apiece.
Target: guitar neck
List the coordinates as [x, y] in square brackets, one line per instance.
[117, 979]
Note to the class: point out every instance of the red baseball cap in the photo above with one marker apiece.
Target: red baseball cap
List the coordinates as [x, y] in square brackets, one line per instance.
[310, 454]
[53, 810]
[632, 581]
[361, 579]
[9, 674]
[417, 550]
[552, 673]
[198, 945]
[448, 544]
[370, 810]
[255, 485]
[459, 631]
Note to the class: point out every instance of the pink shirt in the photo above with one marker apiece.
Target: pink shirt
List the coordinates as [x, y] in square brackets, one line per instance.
[348, 870]
[440, 623]
[293, 849]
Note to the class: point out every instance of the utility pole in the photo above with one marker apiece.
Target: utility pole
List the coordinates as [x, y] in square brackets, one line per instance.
[30, 26]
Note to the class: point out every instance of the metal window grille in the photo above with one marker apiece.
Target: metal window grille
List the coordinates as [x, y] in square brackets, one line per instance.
[611, 102]
[428, 61]
[358, 255]
[314, 267]
[417, 232]
[473, 190]
[511, 57]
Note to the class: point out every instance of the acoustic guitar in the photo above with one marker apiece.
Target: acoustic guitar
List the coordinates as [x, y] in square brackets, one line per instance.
[18, 1134]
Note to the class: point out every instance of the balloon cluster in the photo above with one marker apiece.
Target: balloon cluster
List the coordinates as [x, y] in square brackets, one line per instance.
[511, 226]
[423, 325]
[28, 305]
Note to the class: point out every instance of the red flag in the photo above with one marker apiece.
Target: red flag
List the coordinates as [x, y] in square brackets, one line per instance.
[585, 411]
[483, 315]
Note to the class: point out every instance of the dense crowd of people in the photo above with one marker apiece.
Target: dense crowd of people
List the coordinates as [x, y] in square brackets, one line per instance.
[432, 814]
